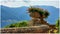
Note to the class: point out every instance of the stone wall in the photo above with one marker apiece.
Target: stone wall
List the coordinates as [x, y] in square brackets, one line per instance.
[31, 29]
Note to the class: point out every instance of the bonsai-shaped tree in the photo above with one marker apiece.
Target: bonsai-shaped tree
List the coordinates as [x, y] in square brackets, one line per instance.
[38, 13]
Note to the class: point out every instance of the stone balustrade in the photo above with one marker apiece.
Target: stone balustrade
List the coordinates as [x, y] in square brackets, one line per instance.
[31, 29]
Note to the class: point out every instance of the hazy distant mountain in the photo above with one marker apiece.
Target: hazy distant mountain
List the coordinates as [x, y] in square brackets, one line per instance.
[14, 13]
[10, 14]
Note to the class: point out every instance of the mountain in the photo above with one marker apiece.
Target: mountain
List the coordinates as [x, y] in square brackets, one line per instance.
[12, 15]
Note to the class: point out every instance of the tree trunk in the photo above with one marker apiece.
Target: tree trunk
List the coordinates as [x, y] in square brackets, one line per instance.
[42, 21]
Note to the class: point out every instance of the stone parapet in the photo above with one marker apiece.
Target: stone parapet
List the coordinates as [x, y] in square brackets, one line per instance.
[31, 29]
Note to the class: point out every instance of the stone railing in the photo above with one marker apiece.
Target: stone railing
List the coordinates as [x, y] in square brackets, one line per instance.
[31, 29]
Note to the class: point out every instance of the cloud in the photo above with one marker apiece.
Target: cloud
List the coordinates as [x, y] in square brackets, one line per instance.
[20, 3]
[29, 0]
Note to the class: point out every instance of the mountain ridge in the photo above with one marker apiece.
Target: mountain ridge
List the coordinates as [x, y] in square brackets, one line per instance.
[20, 13]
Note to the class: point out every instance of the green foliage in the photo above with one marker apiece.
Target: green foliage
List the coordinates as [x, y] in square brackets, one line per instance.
[57, 23]
[41, 11]
[46, 14]
[18, 24]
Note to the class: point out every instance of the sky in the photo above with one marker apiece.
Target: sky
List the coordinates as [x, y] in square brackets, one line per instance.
[19, 3]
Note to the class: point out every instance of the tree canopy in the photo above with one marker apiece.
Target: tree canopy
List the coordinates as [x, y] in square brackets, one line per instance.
[44, 13]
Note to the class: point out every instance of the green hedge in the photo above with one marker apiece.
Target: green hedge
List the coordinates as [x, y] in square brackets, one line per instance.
[18, 24]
